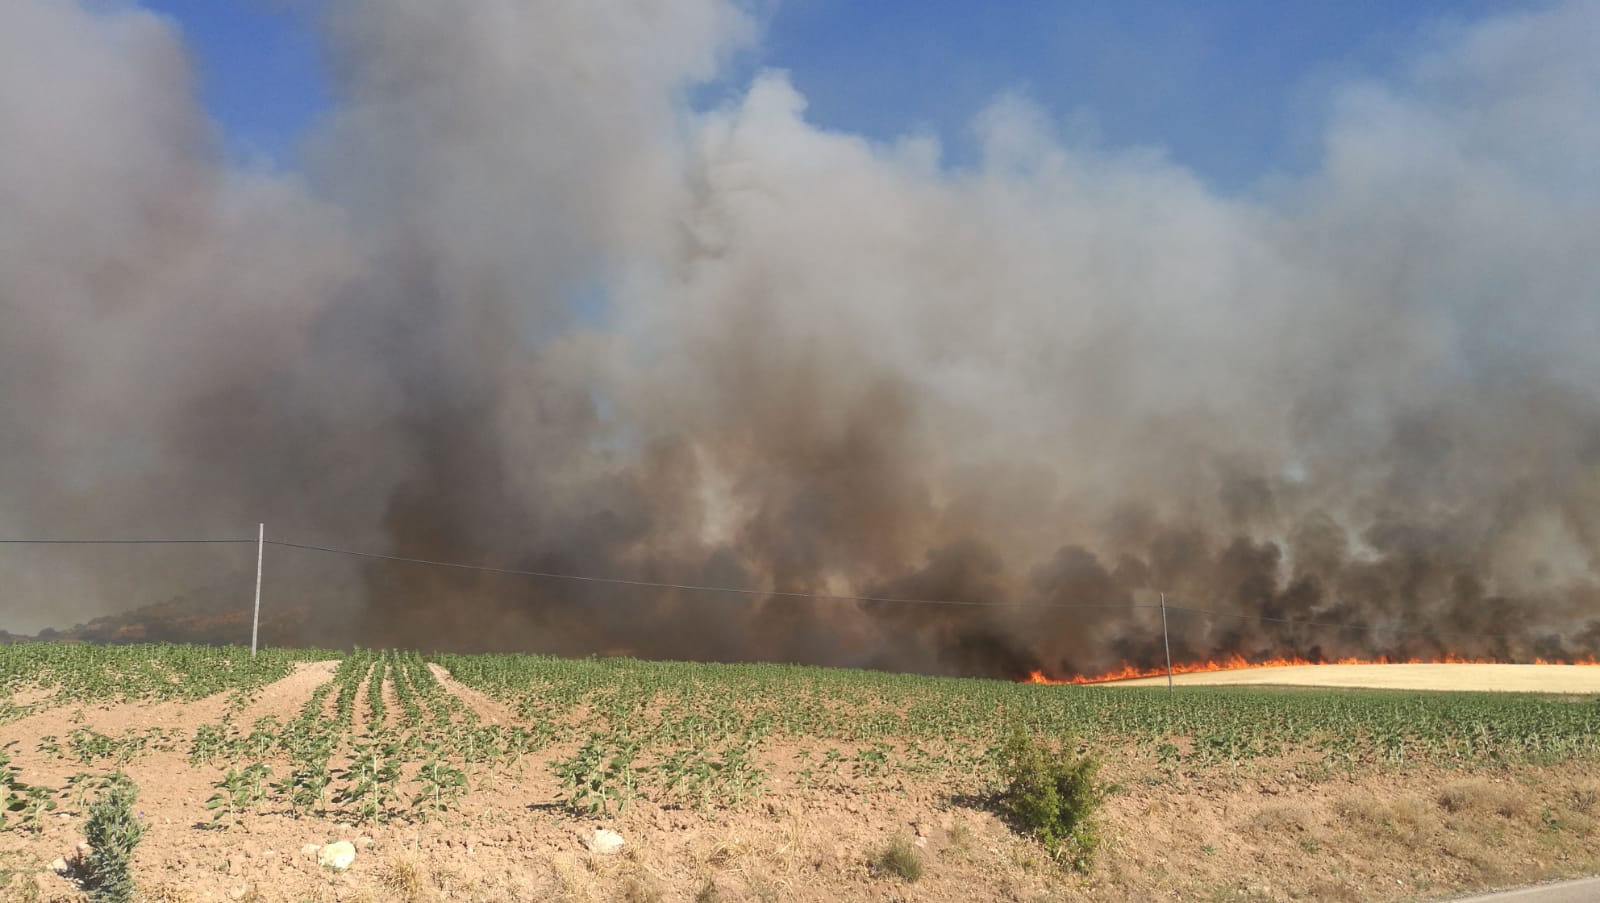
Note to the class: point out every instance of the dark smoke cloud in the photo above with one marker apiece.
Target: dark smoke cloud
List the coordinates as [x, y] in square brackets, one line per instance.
[524, 306]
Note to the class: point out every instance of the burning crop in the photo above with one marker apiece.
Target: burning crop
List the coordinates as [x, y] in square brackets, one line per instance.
[1238, 663]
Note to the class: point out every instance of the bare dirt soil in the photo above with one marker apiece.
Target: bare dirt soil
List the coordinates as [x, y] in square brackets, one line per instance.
[1272, 830]
[1582, 679]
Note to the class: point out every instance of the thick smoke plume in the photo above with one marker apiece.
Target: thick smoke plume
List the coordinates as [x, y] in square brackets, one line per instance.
[523, 305]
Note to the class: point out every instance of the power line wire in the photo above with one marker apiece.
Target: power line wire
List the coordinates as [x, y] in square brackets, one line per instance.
[876, 599]
[122, 542]
[741, 591]
[1334, 626]
[692, 587]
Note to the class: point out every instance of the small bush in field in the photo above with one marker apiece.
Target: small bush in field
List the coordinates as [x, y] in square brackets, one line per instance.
[1055, 795]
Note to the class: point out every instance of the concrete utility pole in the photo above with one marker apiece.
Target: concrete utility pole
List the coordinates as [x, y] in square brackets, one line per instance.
[255, 622]
[1164, 641]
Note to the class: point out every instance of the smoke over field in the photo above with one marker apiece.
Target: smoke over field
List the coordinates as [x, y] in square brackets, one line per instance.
[523, 304]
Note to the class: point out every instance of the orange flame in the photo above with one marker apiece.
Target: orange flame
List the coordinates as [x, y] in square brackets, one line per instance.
[1237, 662]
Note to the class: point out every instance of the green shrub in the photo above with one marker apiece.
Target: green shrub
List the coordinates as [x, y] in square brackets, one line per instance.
[898, 858]
[1054, 795]
[113, 830]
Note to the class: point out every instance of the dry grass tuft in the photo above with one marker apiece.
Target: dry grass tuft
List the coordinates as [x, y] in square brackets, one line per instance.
[574, 883]
[1329, 891]
[452, 884]
[1584, 800]
[1280, 819]
[762, 889]
[1360, 809]
[1405, 819]
[638, 889]
[728, 855]
[402, 877]
[962, 839]
[19, 886]
[899, 858]
[166, 892]
[1482, 797]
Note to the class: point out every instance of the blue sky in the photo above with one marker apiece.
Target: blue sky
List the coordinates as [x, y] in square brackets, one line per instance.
[1231, 89]
[260, 68]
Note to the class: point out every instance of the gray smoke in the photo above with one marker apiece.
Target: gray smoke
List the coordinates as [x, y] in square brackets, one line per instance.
[524, 305]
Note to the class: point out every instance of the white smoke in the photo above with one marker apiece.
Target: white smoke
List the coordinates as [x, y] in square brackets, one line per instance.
[1060, 374]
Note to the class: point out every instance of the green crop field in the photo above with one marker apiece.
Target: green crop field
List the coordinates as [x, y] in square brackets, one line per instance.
[62, 673]
[670, 705]
[615, 730]
[297, 745]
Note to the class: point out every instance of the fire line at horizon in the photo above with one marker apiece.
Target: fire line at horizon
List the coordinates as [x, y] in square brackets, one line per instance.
[1239, 663]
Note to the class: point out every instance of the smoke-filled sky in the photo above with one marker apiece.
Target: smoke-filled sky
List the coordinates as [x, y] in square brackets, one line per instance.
[589, 288]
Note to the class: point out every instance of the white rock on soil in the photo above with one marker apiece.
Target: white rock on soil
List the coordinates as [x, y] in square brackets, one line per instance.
[604, 842]
[337, 855]
[59, 866]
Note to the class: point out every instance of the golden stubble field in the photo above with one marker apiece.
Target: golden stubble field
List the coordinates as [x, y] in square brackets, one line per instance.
[1583, 679]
